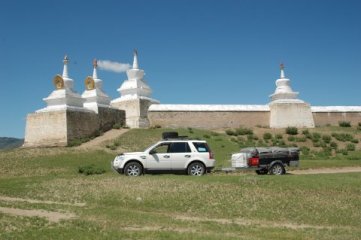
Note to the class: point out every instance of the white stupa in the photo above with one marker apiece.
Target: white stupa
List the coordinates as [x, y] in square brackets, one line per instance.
[135, 87]
[284, 91]
[135, 97]
[63, 97]
[286, 110]
[93, 95]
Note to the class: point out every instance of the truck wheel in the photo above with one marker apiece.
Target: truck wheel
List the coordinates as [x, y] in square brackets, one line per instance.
[196, 169]
[262, 171]
[277, 169]
[133, 169]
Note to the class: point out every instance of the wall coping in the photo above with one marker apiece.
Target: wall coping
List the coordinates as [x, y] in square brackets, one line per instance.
[239, 108]
[207, 108]
[336, 109]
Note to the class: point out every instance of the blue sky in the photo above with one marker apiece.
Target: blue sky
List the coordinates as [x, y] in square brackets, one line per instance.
[193, 51]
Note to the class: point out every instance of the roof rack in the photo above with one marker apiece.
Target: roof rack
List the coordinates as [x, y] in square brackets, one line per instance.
[172, 135]
[177, 138]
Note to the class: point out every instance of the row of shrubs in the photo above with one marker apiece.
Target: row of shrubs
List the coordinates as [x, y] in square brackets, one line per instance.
[348, 124]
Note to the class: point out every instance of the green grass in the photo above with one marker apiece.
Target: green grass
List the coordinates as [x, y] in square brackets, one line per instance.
[216, 206]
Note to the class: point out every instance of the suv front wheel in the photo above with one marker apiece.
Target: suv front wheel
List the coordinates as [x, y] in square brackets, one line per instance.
[196, 169]
[133, 169]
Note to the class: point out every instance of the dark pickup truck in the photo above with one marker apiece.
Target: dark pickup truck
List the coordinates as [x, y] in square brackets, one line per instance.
[272, 160]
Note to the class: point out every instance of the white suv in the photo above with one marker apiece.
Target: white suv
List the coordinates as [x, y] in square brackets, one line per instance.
[190, 156]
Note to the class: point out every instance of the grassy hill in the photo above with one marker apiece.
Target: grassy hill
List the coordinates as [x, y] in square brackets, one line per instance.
[43, 195]
[9, 143]
[319, 145]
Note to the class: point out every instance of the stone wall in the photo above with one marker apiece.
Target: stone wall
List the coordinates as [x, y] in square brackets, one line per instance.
[59, 128]
[136, 111]
[234, 119]
[333, 118]
[291, 114]
[46, 129]
[209, 119]
[81, 124]
[109, 116]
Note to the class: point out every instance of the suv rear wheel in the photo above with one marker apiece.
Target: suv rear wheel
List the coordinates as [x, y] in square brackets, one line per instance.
[133, 169]
[196, 169]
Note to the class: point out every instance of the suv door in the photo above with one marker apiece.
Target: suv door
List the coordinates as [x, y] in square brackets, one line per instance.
[180, 153]
[159, 158]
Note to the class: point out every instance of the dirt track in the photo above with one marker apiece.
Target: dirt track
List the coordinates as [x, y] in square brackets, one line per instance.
[326, 170]
[99, 142]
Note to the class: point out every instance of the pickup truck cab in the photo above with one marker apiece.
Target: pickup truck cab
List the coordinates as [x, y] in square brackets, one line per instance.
[272, 160]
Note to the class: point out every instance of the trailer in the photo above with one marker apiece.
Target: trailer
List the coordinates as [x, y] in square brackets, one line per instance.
[263, 160]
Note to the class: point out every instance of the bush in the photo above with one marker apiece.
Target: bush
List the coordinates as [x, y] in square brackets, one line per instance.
[305, 132]
[281, 143]
[316, 136]
[117, 126]
[230, 132]
[90, 170]
[279, 136]
[344, 124]
[261, 143]
[244, 131]
[78, 141]
[343, 137]
[292, 131]
[305, 150]
[350, 147]
[267, 136]
[354, 141]
[241, 139]
[300, 139]
[334, 145]
[343, 151]
[206, 136]
[249, 137]
[291, 138]
[326, 138]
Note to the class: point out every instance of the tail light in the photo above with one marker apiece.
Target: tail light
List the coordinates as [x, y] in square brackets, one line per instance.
[253, 161]
[211, 155]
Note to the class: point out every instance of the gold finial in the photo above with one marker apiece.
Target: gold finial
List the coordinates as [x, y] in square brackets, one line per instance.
[58, 82]
[95, 63]
[66, 59]
[282, 66]
[89, 83]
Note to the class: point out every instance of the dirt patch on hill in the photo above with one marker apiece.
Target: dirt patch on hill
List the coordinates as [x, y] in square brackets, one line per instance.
[265, 224]
[101, 141]
[49, 215]
[326, 170]
[12, 199]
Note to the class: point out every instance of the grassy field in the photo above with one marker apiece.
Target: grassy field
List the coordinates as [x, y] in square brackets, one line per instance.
[48, 198]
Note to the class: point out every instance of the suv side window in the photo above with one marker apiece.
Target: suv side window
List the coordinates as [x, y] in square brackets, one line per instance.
[162, 148]
[201, 146]
[179, 147]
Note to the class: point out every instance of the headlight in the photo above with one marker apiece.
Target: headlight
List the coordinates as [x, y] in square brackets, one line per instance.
[119, 158]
